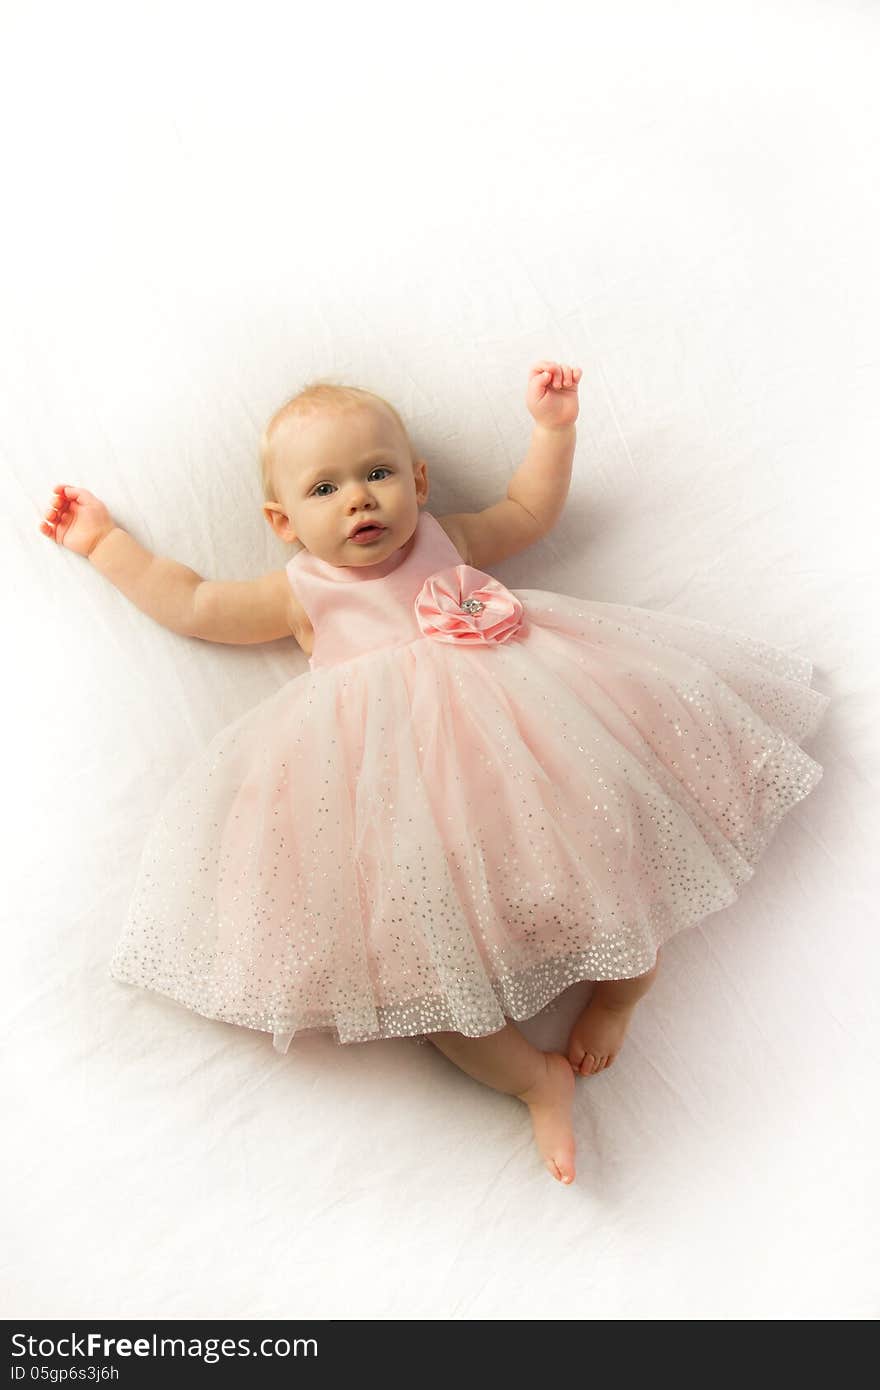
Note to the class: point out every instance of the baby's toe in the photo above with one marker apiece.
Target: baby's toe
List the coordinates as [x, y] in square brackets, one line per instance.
[563, 1170]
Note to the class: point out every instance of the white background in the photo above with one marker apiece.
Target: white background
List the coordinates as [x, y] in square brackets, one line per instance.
[207, 206]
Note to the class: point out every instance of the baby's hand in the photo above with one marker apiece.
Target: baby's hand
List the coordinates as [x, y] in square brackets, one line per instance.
[552, 394]
[76, 519]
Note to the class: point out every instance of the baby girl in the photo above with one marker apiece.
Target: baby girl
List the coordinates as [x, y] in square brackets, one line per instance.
[475, 797]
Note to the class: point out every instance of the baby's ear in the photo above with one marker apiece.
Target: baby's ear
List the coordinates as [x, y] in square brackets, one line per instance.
[420, 473]
[279, 521]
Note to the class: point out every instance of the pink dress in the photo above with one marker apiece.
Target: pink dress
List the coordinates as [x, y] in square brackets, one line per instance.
[474, 798]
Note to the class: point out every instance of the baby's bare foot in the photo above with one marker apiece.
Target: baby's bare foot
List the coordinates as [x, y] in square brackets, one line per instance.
[597, 1036]
[549, 1101]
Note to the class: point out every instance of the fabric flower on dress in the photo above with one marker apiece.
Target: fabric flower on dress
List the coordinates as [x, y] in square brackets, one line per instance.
[462, 604]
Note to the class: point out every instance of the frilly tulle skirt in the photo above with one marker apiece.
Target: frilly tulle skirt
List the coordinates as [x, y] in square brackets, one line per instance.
[441, 837]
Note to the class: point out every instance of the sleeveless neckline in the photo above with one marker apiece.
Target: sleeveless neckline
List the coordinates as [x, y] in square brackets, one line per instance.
[362, 574]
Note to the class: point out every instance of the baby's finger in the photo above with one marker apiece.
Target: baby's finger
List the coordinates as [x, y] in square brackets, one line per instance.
[70, 494]
[543, 366]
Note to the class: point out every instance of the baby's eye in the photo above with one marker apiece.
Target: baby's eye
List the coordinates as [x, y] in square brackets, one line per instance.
[317, 493]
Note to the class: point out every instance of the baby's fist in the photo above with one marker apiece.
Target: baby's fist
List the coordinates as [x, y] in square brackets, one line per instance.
[552, 394]
[77, 519]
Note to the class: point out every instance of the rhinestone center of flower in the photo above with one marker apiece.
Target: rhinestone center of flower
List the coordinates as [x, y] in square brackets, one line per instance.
[473, 605]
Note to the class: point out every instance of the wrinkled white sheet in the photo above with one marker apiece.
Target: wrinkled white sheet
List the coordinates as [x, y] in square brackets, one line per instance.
[205, 209]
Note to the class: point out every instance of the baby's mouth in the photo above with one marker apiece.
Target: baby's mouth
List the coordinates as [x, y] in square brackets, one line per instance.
[367, 532]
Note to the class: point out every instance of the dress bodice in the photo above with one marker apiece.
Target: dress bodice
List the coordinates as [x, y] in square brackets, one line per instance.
[355, 609]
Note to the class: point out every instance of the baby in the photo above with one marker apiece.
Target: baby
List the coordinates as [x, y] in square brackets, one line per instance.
[523, 839]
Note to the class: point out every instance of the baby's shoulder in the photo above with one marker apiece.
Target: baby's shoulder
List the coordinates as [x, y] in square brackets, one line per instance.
[298, 618]
[454, 528]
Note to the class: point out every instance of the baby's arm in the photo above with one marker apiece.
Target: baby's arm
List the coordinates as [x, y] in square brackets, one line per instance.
[537, 491]
[257, 610]
[236, 611]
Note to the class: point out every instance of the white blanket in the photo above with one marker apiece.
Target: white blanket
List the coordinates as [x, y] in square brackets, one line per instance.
[207, 208]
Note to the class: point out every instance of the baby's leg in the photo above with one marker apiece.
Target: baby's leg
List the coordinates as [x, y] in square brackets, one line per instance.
[598, 1033]
[544, 1081]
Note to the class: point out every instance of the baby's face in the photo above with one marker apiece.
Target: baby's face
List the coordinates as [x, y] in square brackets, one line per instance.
[334, 471]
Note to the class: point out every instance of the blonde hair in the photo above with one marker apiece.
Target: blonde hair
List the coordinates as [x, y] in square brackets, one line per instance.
[314, 397]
